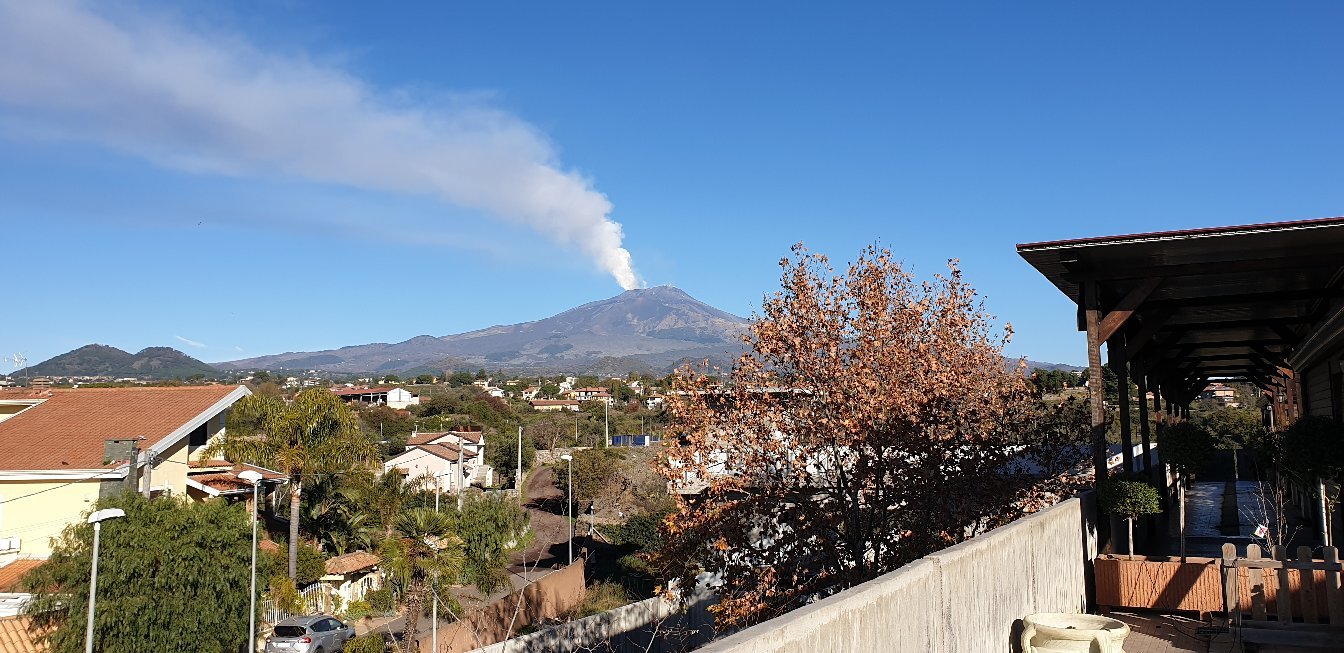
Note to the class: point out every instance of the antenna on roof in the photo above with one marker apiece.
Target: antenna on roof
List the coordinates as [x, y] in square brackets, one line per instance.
[20, 363]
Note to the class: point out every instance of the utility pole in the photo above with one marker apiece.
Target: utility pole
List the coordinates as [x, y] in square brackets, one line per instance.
[148, 460]
[518, 480]
[606, 426]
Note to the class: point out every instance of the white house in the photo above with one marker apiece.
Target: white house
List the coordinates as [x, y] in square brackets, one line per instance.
[554, 405]
[398, 398]
[351, 576]
[451, 459]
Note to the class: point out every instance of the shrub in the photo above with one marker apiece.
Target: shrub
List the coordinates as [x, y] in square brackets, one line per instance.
[640, 531]
[380, 601]
[632, 565]
[366, 643]
[1314, 446]
[602, 597]
[1186, 446]
[358, 610]
[1129, 498]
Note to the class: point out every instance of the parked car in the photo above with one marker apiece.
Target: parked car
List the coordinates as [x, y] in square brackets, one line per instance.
[312, 634]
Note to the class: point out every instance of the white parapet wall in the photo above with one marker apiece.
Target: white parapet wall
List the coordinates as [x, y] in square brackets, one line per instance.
[966, 598]
[649, 626]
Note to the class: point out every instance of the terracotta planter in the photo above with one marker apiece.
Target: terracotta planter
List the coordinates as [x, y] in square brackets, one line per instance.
[1159, 583]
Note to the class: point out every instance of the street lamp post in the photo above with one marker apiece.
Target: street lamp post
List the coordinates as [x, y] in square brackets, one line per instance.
[96, 519]
[434, 628]
[569, 510]
[253, 477]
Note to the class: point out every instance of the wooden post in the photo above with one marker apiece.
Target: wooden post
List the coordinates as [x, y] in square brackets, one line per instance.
[1096, 387]
[1115, 350]
[1334, 594]
[1180, 511]
[1146, 462]
[1283, 598]
[1307, 592]
[1257, 583]
[1231, 593]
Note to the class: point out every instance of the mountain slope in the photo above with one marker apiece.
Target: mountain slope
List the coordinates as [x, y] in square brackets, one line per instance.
[648, 328]
[102, 360]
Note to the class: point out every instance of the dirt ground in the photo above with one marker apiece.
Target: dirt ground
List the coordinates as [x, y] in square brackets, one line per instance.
[545, 507]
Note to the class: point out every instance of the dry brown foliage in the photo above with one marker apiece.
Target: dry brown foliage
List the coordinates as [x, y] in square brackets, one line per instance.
[872, 422]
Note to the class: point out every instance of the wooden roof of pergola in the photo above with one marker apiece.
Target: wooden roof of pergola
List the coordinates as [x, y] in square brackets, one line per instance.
[1187, 306]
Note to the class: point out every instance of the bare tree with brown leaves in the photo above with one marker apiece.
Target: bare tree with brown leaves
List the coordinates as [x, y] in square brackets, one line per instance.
[871, 422]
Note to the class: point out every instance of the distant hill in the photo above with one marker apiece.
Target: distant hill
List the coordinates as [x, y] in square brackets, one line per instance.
[102, 360]
[636, 331]
[649, 331]
[1035, 365]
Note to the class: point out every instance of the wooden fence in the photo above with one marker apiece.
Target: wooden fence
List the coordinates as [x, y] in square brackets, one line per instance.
[1303, 595]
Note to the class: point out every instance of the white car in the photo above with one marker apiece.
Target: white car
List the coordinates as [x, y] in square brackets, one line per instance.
[312, 634]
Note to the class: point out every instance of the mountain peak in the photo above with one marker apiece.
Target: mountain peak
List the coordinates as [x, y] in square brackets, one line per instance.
[647, 328]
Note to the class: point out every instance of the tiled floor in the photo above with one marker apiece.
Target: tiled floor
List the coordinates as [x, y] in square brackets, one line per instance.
[1162, 633]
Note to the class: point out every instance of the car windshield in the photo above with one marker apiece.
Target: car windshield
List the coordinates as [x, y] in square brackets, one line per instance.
[289, 631]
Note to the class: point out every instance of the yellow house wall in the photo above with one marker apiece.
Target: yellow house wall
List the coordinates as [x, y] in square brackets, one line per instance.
[170, 471]
[38, 518]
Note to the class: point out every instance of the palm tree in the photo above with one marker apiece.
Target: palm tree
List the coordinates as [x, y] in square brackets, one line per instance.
[384, 496]
[314, 433]
[425, 550]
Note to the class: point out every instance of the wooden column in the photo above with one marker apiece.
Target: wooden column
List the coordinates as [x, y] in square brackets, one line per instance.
[1145, 462]
[1096, 384]
[1096, 387]
[1115, 351]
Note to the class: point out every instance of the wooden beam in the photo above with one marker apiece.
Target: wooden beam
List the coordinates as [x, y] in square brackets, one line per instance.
[1247, 298]
[1275, 323]
[1150, 322]
[1123, 310]
[1322, 258]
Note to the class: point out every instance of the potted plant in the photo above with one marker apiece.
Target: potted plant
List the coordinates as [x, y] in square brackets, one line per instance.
[1129, 498]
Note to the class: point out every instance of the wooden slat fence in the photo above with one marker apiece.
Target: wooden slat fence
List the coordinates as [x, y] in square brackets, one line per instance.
[1273, 589]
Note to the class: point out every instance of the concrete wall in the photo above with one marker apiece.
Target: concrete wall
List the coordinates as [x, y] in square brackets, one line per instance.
[547, 598]
[649, 626]
[969, 597]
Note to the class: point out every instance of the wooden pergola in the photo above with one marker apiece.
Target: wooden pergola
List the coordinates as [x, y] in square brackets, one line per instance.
[1254, 303]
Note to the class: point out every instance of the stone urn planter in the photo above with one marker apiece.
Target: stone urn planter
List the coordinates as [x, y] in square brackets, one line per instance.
[1057, 632]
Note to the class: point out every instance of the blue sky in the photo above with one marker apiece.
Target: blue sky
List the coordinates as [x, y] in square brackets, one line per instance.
[258, 177]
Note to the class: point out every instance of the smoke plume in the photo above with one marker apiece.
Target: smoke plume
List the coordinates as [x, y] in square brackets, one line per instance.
[217, 104]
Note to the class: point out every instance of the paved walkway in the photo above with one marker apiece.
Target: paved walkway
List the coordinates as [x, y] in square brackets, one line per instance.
[1163, 633]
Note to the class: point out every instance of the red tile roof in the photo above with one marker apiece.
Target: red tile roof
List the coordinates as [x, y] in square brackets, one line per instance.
[67, 430]
[350, 562]
[344, 392]
[229, 481]
[418, 439]
[12, 573]
[446, 451]
[15, 636]
[423, 438]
